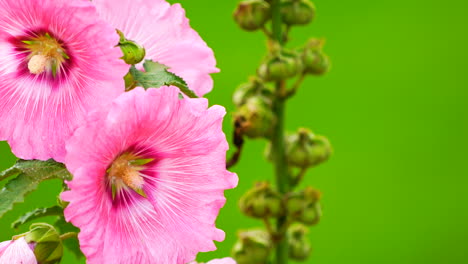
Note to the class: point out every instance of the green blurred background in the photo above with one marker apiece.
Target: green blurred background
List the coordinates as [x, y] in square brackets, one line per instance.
[395, 108]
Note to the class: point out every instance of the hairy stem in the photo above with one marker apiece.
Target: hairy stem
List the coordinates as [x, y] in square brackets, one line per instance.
[277, 141]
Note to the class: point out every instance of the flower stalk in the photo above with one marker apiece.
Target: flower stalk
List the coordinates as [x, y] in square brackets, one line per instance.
[277, 142]
[292, 154]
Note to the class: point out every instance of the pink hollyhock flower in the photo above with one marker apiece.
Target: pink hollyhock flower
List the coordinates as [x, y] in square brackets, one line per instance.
[165, 33]
[218, 261]
[57, 61]
[16, 252]
[149, 179]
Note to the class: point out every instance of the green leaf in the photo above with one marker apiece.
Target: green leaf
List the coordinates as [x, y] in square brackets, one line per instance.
[28, 176]
[155, 76]
[36, 214]
[72, 244]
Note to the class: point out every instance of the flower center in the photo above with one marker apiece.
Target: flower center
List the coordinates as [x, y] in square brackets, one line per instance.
[124, 173]
[45, 54]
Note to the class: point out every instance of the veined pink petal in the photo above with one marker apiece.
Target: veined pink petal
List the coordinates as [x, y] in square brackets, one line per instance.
[184, 183]
[40, 111]
[16, 252]
[165, 33]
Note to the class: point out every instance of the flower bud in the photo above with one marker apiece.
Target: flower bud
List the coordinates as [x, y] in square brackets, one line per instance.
[261, 201]
[304, 149]
[255, 87]
[253, 247]
[297, 12]
[315, 61]
[299, 247]
[133, 53]
[304, 206]
[281, 66]
[252, 14]
[256, 118]
[48, 245]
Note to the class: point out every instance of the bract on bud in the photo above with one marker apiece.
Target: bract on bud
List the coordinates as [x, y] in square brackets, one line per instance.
[255, 87]
[255, 117]
[280, 66]
[262, 201]
[252, 14]
[304, 149]
[299, 247]
[253, 247]
[304, 206]
[48, 247]
[133, 53]
[315, 61]
[297, 12]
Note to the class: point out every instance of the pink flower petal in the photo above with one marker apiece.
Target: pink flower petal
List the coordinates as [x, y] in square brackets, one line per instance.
[39, 112]
[17, 252]
[165, 33]
[185, 185]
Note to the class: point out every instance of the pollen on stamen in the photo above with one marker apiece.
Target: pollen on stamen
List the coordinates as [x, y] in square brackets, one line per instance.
[38, 64]
[125, 172]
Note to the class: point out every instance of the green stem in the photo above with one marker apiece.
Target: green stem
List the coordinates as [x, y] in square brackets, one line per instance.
[281, 169]
[68, 235]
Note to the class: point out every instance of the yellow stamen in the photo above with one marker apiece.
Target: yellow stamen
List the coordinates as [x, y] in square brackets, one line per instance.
[45, 54]
[122, 169]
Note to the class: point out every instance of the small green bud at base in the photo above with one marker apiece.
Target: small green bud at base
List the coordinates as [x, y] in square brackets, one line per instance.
[299, 247]
[262, 202]
[315, 61]
[304, 149]
[133, 53]
[255, 87]
[48, 245]
[256, 118]
[253, 247]
[297, 12]
[282, 66]
[252, 15]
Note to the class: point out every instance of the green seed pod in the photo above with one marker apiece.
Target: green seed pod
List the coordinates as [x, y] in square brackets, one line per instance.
[255, 87]
[282, 66]
[48, 245]
[133, 53]
[304, 149]
[315, 61]
[261, 202]
[297, 12]
[256, 118]
[299, 247]
[253, 247]
[304, 206]
[252, 15]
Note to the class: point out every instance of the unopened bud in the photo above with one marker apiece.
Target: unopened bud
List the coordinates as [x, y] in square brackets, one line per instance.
[255, 87]
[252, 14]
[281, 66]
[304, 149]
[297, 12]
[314, 59]
[48, 245]
[299, 247]
[256, 118]
[261, 202]
[304, 206]
[253, 247]
[133, 53]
